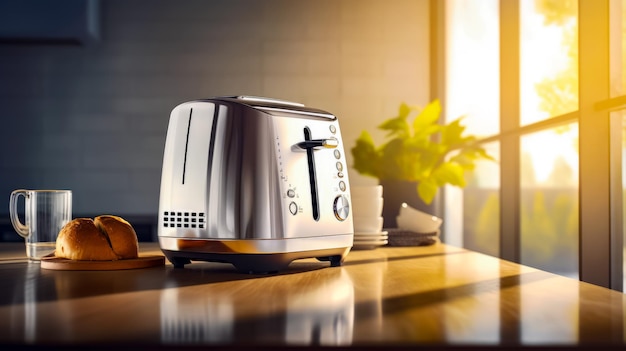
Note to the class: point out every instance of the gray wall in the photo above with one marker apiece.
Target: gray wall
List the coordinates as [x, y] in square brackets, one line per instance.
[93, 118]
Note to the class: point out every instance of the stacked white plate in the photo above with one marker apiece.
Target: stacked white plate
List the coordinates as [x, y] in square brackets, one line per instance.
[368, 241]
[367, 207]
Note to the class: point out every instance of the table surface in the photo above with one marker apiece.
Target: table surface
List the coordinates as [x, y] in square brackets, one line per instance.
[428, 295]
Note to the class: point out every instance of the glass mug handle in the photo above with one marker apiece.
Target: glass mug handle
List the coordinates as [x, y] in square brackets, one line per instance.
[20, 228]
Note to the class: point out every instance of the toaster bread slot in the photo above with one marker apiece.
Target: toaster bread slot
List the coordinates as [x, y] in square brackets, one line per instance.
[312, 176]
[187, 144]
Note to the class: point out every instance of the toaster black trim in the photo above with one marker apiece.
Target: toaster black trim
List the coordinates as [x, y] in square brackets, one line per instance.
[187, 144]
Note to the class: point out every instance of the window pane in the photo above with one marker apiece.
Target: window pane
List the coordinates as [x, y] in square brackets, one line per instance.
[549, 59]
[481, 205]
[549, 200]
[623, 47]
[472, 70]
[472, 91]
[618, 47]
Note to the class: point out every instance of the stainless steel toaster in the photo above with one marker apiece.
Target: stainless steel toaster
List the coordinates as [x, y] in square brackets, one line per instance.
[255, 182]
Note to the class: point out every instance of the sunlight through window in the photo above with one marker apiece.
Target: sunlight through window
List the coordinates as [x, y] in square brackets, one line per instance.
[549, 59]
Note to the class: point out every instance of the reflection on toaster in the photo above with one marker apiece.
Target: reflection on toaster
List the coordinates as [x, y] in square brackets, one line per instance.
[312, 313]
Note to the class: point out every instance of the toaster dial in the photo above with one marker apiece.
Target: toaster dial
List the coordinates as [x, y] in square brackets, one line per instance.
[341, 206]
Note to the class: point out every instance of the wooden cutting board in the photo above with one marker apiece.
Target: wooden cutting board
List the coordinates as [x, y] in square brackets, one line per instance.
[63, 264]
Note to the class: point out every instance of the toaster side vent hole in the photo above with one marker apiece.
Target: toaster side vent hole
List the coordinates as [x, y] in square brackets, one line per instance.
[175, 219]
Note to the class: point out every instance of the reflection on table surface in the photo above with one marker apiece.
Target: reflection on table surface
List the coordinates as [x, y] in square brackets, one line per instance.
[428, 295]
[308, 312]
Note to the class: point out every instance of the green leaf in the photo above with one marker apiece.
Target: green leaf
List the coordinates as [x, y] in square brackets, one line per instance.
[365, 155]
[427, 117]
[424, 135]
[449, 173]
[404, 110]
[393, 162]
[398, 126]
[482, 153]
[465, 159]
[468, 156]
[366, 138]
[452, 133]
[427, 189]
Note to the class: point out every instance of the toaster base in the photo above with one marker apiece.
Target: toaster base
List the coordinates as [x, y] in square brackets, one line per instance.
[257, 263]
[257, 256]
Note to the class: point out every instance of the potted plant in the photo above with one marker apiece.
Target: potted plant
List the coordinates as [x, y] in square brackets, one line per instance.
[421, 154]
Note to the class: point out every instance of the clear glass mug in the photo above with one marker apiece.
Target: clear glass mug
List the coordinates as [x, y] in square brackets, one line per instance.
[46, 212]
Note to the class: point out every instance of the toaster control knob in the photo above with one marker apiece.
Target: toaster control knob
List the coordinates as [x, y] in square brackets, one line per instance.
[341, 207]
[293, 208]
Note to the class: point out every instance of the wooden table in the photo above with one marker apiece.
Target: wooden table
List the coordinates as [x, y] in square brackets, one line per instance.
[434, 295]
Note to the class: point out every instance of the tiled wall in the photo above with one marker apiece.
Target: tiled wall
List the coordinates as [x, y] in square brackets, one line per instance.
[93, 119]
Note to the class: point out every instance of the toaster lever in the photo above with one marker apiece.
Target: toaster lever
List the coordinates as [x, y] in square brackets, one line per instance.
[330, 143]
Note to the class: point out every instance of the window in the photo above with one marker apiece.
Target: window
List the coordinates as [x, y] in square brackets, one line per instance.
[532, 78]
